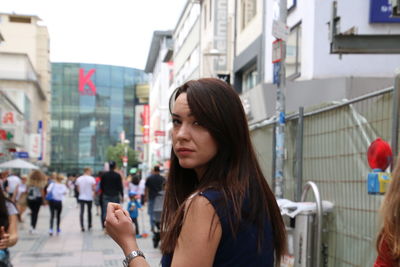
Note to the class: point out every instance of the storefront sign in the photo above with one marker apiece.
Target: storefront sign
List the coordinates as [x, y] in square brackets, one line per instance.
[220, 34]
[145, 115]
[380, 11]
[8, 118]
[42, 142]
[85, 80]
[34, 145]
[6, 135]
[22, 155]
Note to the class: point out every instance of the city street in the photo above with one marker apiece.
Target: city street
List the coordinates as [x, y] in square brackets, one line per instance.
[73, 247]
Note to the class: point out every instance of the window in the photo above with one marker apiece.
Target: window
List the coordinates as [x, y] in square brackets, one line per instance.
[250, 78]
[210, 10]
[293, 52]
[249, 10]
[20, 19]
[205, 16]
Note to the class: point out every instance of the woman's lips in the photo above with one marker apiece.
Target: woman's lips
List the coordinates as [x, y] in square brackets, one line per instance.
[184, 151]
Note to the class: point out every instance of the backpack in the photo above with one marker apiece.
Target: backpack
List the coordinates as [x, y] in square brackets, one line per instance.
[33, 193]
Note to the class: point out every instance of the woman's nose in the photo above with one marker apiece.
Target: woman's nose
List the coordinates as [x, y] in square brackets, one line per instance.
[183, 132]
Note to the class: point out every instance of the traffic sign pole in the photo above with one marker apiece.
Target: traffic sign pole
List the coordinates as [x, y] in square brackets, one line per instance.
[280, 32]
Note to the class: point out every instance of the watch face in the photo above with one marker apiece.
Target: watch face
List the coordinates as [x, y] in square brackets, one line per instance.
[134, 253]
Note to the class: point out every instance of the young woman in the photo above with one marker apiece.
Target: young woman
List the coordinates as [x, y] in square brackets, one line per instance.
[218, 209]
[8, 228]
[19, 196]
[388, 242]
[35, 188]
[58, 190]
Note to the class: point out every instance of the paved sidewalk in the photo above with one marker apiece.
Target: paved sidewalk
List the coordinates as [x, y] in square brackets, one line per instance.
[72, 247]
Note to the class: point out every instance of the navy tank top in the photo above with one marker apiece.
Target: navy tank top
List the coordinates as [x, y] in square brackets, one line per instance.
[239, 251]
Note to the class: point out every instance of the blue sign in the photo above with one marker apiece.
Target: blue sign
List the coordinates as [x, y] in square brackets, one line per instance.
[380, 11]
[277, 72]
[40, 131]
[22, 155]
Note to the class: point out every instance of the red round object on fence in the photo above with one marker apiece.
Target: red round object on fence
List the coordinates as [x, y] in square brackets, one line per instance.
[379, 154]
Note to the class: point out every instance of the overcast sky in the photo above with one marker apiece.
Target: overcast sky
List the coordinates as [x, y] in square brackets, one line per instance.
[116, 32]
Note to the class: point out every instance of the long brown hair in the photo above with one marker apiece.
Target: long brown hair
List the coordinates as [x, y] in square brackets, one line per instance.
[390, 214]
[37, 178]
[234, 170]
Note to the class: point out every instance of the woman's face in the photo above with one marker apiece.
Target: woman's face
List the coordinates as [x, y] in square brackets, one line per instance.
[192, 143]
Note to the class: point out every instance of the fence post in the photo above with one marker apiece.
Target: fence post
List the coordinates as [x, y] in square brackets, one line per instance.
[395, 119]
[299, 154]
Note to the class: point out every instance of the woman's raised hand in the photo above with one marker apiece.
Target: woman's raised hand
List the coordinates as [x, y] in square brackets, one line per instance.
[119, 227]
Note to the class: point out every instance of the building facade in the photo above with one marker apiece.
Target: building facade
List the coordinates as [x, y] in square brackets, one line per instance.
[160, 67]
[92, 106]
[25, 80]
[186, 35]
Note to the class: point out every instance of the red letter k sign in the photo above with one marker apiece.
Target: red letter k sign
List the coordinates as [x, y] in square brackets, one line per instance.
[85, 79]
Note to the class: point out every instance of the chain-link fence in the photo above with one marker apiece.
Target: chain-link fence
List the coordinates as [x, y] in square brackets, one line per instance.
[335, 141]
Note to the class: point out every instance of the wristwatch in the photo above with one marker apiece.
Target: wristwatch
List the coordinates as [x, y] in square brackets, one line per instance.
[131, 256]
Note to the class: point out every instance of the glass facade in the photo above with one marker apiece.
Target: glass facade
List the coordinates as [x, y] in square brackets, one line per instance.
[91, 105]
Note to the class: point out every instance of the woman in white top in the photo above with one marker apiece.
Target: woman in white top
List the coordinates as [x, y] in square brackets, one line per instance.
[19, 196]
[58, 191]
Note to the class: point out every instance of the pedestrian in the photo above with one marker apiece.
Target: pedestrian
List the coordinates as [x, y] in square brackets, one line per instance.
[86, 185]
[97, 193]
[20, 196]
[8, 228]
[154, 184]
[133, 208]
[13, 182]
[218, 208]
[111, 187]
[35, 198]
[58, 190]
[4, 181]
[76, 192]
[70, 185]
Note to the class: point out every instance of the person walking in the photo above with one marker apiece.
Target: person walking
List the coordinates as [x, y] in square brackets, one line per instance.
[58, 191]
[35, 198]
[133, 207]
[13, 182]
[86, 186]
[20, 196]
[154, 184]
[218, 207]
[111, 187]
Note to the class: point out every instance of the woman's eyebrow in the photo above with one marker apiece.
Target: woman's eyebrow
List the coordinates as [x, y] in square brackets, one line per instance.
[176, 115]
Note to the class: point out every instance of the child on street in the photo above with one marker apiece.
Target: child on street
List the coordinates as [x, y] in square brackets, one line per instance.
[133, 209]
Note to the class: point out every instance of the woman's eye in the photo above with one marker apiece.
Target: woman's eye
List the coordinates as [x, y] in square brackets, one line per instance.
[196, 123]
[176, 122]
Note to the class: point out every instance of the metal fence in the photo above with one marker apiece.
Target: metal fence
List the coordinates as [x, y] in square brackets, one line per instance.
[334, 145]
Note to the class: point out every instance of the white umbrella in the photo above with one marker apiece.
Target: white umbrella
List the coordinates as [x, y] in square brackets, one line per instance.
[18, 164]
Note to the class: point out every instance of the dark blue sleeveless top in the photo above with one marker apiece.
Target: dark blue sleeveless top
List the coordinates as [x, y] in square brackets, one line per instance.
[239, 251]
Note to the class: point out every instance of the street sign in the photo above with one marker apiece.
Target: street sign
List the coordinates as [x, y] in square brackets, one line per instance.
[22, 155]
[277, 72]
[277, 50]
[280, 30]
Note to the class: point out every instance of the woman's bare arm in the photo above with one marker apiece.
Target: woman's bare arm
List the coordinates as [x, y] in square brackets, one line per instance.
[200, 235]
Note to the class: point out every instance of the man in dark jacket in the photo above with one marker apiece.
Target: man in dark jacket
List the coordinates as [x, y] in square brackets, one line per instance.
[111, 187]
[154, 184]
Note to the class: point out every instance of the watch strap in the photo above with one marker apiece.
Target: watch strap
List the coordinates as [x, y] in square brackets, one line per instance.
[131, 256]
